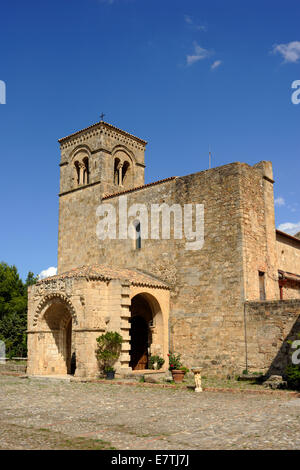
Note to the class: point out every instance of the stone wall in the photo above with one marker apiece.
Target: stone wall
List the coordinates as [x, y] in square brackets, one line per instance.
[10, 366]
[258, 227]
[288, 253]
[270, 325]
[291, 290]
[206, 319]
[208, 285]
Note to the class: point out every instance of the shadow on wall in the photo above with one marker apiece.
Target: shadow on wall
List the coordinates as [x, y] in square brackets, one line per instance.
[283, 357]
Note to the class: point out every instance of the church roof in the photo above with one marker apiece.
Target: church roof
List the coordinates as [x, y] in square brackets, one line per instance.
[106, 273]
[136, 188]
[296, 237]
[289, 276]
[104, 124]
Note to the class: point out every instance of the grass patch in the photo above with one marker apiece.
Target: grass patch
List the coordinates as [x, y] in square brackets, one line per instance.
[28, 437]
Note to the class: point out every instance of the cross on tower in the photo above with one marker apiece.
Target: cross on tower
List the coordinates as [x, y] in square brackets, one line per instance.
[102, 116]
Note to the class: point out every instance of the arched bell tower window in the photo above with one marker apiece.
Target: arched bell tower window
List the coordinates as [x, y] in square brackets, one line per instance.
[82, 173]
[121, 172]
[116, 171]
[77, 172]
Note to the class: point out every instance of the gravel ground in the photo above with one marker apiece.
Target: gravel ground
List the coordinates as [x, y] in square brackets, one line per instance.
[38, 414]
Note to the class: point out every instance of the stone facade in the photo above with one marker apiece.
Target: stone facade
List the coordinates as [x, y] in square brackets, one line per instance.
[68, 312]
[195, 302]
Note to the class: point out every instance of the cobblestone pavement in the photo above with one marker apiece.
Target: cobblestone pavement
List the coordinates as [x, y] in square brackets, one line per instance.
[45, 415]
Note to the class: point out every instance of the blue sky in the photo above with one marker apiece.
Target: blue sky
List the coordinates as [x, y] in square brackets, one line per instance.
[182, 75]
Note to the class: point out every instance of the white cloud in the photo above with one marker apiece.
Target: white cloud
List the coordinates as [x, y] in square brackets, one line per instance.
[189, 20]
[290, 228]
[279, 201]
[290, 51]
[48, 272]
[199, 54]
[216, 64]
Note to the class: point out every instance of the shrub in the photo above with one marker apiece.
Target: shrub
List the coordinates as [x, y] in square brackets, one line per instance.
[292, 374]
[156, 362]
[108, 350]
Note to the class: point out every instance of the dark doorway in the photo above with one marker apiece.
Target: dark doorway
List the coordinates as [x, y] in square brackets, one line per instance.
[69, 345]
[139, 343]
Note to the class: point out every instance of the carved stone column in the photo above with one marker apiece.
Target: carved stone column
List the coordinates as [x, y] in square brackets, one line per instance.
[81, 171]
[120, 166]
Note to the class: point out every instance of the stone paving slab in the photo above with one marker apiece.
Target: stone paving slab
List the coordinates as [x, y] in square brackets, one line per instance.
[135, 417]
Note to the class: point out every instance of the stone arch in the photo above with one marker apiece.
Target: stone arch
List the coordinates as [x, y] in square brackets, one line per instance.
[146, 316]
[54, 318]
[80, 163]
[46, 302]
[80, 149]
[124, 163]
[122, 148]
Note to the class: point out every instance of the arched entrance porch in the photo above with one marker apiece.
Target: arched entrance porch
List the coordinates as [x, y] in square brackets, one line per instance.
[146, 332]
[54, 346]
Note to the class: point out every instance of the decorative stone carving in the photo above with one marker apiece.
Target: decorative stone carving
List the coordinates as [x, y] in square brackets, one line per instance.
[198, 381]
[52, 297]
[55, 285]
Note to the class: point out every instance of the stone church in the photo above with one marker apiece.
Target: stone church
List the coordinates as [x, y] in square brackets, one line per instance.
[229, 306]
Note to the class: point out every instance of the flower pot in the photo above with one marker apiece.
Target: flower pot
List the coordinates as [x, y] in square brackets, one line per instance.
[177, 375]
[110, 375]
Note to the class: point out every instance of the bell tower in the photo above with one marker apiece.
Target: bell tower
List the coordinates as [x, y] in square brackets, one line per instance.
[95, 162]
[101, 154]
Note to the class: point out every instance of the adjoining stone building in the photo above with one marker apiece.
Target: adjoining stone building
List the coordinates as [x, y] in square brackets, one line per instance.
[230, 305]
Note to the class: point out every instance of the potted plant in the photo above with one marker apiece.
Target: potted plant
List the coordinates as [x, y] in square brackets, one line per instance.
[155, 362]
[108, 352]
[177, 369]
[109, 372]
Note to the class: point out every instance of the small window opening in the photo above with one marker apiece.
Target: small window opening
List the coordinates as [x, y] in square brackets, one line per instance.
[138, 238]
[262, 288]
[116, 172]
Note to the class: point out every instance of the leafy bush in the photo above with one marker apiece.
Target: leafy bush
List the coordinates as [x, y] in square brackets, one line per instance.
[292, 374]
[13, 310]
[108, 350]
[156, 362]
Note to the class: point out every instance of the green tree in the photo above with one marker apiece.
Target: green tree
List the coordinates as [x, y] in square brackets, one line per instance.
[13, 309]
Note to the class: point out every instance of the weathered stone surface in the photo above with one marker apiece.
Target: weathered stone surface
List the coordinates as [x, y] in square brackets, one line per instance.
[275, 382]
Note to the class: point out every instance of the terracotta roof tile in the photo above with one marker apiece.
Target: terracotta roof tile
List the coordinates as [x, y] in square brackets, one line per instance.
[287, 235]
[136, 188]
[106, 124]
[289, 276]
[107, 273]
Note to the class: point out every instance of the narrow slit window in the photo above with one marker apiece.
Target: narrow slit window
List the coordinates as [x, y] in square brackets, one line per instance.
[262, 288]
[138, 239]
